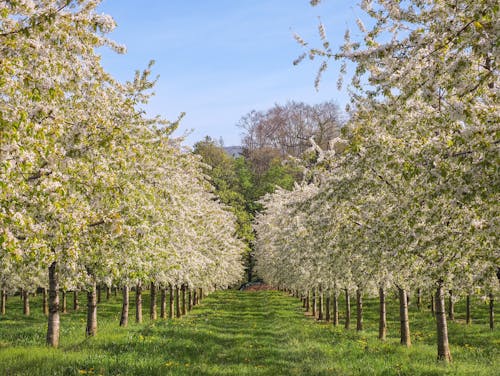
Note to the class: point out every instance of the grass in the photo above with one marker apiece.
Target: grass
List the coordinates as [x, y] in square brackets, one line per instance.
[242, 333]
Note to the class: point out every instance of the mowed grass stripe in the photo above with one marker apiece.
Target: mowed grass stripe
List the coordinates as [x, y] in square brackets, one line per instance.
[239, 333]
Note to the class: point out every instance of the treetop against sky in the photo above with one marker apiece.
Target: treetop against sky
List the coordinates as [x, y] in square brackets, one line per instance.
[220, 59]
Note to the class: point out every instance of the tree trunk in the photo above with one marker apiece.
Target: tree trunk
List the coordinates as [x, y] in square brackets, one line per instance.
[45, 306]
[327, 306]
[183, 300]
[468, 318]
[163, 304]
[335, 319]
[26, 303]
[320, 303]
[200, 295]
[138, 302]
[492, 312]
[170, 302]
[419, 299]
[91, 330]
[125, 305]
[190, 305]
[451, 307]
[3, 301]
[308, 301]
[63, 305]
[382, 324]
[195, 297]
[314, 303]
[152, 303]
[76, 306]
[359, 310]
[115, 289]
[433, 305]
[53, 318]
[347, 309]
[177, 305]
[403, 316]
[108, 292]
[442, 328]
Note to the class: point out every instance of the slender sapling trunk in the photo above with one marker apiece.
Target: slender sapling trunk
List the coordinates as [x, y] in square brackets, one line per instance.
[125, 306]
[444, 353]
[91, 329]
[53, 318]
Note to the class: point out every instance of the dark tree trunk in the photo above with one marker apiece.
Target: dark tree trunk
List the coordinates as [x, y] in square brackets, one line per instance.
[314, 303]
[177, 304]
[152, 303]
[163, 304]
[45, 306]
[433, 305]
[108, 292]
[359, 310]
[451, 306]
[347, 309]
[91, 329]
[183, 300]
[115, 289]
[335, 319]
[442, 327]
[138, 302]
[308, 301]
[468, 318]
[200, 295]
[170, 302]
[53, 318]
[320, 303]
[492, 312]
[404, 319]
[419, 299]
[382, 324]
[189, 297]
[3, 301]
[76, 306]
[26, 303]
[64, 302]
[327, 306]
[195, 297]
[125, 307]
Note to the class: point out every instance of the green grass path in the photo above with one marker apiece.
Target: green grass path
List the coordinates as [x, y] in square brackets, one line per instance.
[237, 333]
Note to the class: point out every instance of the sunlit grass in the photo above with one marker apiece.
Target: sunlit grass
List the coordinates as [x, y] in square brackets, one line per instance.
[241, 333]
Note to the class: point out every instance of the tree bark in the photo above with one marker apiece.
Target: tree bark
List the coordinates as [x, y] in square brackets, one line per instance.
[163, 304]
[138, 302]
[314, 303]
[382, 324]
[26, 303]
[195, 297]
[468, 318]
[451, 307]
[320, 303]
[63, 305]
[177, 305]
[359, 310]
[433, 306]
[98, 294]
[3, 301]
[200, 295]
[125, 307]
[442, 327]
[45, 307]
[327, 306]
[91, 329]
[152, 303]
[53, 318]
[189, 297]
[347, 309]
[183, 300]
[419, 299]
[335, 319]
[404, 319]
[108, 292]
[170, 302]
[76, 306]
[308, 301]
[492, 312]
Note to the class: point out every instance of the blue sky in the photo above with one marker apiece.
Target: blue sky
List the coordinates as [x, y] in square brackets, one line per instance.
[220, 59]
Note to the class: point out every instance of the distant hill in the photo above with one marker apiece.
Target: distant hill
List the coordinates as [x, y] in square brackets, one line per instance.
[233, 151]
